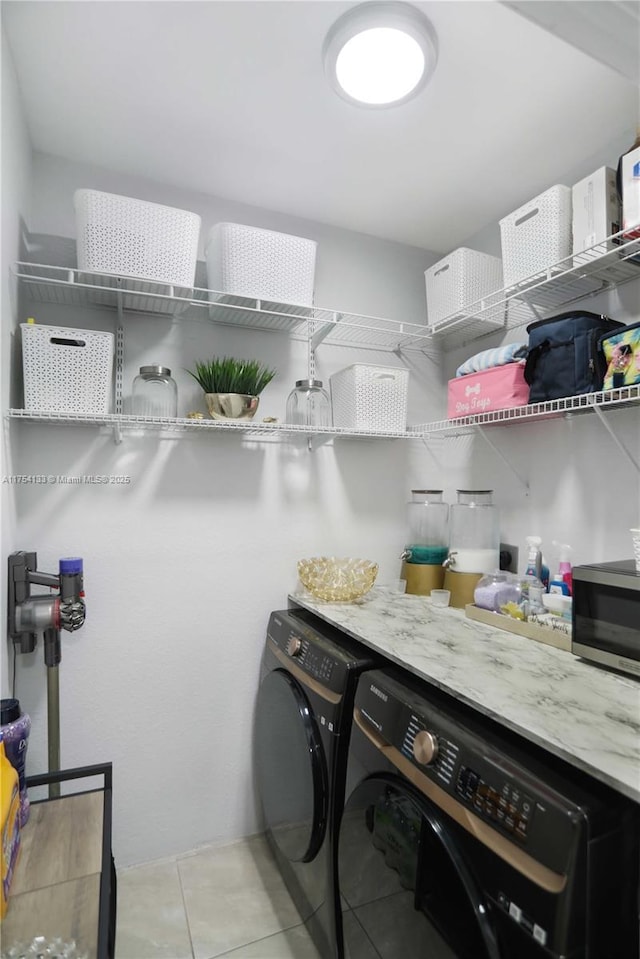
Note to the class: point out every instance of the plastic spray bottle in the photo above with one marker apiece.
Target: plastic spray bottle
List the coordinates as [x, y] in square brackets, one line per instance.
[562, 581]
[536, 565]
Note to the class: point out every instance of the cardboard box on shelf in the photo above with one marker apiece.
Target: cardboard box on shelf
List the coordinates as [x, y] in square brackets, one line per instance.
[596, 209]
[631, 194]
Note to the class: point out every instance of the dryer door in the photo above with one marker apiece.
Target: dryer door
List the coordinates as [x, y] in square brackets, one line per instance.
[406, 889]
[291, 767]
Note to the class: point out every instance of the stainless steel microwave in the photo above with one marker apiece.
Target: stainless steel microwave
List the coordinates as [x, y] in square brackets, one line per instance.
[606, 614]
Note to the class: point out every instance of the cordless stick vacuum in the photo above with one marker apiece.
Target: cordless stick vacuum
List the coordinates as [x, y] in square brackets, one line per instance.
[29, 615]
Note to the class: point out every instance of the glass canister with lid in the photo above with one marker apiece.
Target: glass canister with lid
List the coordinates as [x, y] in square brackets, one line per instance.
[474, 540]
[427, 539]
[428, 520]
[309, 405]
[154, 393]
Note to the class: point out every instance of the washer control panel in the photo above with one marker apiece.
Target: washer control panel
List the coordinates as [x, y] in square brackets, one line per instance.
[504, 803]
[472, 767]
[430, 749]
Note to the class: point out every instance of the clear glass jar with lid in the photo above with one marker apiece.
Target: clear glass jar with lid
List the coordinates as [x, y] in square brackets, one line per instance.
[428, 518]
[474, 541]
[154, 393]
[309, 405]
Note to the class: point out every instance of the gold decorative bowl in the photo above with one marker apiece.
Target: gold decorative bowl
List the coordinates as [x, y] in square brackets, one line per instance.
[337, 580]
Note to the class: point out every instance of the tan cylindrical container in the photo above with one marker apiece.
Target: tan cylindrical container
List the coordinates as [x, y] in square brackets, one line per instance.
[421, 578]
[461, 586]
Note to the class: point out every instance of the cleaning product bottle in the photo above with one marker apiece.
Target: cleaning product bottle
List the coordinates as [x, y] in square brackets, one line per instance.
[561, 582]
[544, 573]
[9, 825]
[536, 565]
[15, 726]
[534, 588]
[533, 555]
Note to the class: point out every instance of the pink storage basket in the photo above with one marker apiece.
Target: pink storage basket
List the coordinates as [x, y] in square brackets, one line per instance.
[499, 388]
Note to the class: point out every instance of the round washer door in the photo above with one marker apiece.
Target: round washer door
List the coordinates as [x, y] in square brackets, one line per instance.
[406, 889]
[291, 767]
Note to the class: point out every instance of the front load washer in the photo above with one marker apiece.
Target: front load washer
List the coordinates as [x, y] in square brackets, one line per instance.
[302, 723]
[460, 841]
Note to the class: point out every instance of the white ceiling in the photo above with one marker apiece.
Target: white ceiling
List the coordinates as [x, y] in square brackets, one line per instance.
[229, 98]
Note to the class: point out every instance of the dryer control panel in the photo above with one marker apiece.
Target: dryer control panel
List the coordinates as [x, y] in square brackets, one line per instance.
[314, 652]
[302, 646]
[471, 770]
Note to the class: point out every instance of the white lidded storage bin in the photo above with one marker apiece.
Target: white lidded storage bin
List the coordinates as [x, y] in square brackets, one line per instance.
[372, 398]
[118, 234]
[537, 235]
[261, 264]
[66, 370]
[460, 280]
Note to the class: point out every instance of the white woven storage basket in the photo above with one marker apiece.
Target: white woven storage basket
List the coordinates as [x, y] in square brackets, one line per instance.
[537, 235]
[370, 398]
[66, 370]
[261, 263]
[117, 234]
[460, 280]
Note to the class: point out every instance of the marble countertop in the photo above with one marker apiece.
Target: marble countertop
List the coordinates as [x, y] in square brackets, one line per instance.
[578, 711]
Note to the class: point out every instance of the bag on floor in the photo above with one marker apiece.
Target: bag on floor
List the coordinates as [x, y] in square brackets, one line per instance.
[622, 357]
[564, 357]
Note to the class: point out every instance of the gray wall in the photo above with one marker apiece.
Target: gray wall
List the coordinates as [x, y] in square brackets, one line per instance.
[184, 564]
[16, 197]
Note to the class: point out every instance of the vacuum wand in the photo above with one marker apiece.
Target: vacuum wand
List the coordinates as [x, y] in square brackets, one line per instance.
[29, 615]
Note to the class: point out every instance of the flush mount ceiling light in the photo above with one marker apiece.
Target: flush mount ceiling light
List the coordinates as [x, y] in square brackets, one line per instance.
[380, 54]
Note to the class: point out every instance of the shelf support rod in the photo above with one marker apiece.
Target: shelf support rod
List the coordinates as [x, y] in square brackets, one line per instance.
[623, 449]
[119, 368]
[311, 356]
[119, 364]
[523, 482]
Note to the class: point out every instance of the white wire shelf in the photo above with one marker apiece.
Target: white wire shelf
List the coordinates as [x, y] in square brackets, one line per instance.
[611, 263]
[624, 396]
[606, 265]
[70, 287]
[131, 423]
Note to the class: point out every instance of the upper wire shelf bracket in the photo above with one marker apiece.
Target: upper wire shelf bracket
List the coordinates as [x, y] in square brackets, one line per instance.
[608, 264]
[70, 287]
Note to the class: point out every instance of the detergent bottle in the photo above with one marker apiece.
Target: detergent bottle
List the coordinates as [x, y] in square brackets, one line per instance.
[561, 582]
[536, 565]
[9, 824]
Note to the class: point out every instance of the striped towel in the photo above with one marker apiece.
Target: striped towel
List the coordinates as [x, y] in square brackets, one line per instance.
[496, 357]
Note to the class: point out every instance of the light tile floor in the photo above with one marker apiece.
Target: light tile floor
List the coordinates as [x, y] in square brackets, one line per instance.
[225, 901]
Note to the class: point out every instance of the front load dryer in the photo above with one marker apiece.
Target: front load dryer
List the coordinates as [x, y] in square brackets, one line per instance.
[303, 719]
[461, 841]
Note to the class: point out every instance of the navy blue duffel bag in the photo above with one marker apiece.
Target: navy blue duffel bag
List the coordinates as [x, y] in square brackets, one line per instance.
[564, 357]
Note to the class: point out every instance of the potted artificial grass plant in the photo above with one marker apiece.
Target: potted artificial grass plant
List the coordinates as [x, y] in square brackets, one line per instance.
[232, 387]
